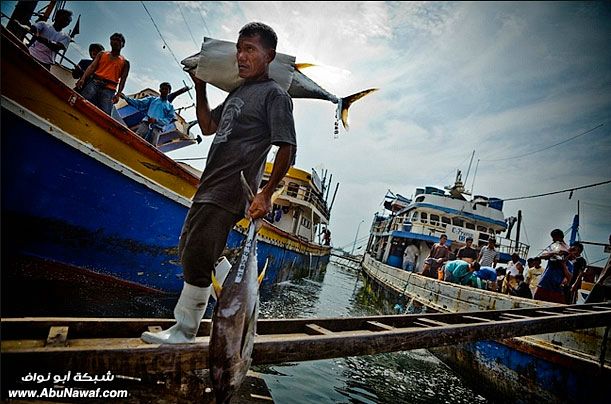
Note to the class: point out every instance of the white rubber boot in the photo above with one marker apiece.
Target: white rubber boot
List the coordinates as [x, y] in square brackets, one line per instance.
[188, 313]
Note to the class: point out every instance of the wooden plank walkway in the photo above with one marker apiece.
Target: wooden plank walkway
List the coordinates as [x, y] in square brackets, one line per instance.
[87, 344]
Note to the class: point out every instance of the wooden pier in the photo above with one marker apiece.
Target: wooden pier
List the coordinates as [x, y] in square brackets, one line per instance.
[91, 344]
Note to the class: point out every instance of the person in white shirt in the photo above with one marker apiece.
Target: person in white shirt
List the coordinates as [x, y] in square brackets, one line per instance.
[49, 39]
[410, 257]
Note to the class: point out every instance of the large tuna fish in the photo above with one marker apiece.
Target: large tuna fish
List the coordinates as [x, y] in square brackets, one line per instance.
[234, 321]
[217, 65]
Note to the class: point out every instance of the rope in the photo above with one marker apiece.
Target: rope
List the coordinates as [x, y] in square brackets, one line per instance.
[549, 147]
[162, 38]
[557, 192]
[187, 24]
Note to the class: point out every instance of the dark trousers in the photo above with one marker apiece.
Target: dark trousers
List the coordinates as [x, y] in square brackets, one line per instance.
[202, 240]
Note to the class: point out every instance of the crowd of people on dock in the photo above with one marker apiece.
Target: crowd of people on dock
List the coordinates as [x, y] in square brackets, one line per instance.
[102, 78]
[558, 282]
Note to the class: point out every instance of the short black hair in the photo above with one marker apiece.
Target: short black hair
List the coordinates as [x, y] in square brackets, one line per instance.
[165, 83]
[578, 245]
[267, 33]
[118, 35]
[557, 233]
[66, 13]
[475, 265]
[469, 239]
[96, 46]
[443, 236]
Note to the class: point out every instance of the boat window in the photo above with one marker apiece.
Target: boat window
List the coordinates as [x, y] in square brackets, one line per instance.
[445, 220]
[420, 198]
[470, 226]
[415, 216]
[292, 189]
[423, 217]
[305, 223]
[435, 220]
[481, 228]
[458, 222]
[491, 230]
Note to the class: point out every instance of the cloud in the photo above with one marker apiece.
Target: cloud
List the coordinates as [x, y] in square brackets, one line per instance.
[502, 79]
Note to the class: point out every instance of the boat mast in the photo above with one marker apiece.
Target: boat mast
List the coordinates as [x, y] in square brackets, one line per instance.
[469, 169]
[474, 174]
[333, 200]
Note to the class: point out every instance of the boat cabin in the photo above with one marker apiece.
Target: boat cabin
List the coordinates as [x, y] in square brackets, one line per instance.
[301, 209]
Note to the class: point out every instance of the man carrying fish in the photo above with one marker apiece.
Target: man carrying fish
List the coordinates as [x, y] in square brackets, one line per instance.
[253, 117]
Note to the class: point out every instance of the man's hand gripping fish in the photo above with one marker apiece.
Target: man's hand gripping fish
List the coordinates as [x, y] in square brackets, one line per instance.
[234, 321]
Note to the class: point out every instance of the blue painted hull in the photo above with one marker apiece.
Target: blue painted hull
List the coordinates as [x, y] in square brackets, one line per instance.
[61, 205]
[517, 376]
[516, 370]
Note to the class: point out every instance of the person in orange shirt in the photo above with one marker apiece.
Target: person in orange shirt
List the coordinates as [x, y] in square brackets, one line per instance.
[109, 72]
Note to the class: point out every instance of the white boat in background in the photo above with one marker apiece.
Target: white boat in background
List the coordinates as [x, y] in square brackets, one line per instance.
[434, 212]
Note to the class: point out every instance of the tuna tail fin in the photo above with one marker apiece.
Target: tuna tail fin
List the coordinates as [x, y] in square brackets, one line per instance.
[300, 66]
[216, 286]
[262, 275]
[346, 102]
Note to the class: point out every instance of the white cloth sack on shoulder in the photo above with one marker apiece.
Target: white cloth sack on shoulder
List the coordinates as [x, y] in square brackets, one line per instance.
[217, 65]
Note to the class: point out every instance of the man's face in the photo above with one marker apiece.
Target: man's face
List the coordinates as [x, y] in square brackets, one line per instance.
[94, 52]
[116, 43]
[252, 57]
[165, 91]
[469, 242]
[443, 240]
[62, 21]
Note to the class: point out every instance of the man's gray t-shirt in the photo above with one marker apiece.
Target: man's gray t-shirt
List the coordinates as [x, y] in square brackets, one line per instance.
[254, 117]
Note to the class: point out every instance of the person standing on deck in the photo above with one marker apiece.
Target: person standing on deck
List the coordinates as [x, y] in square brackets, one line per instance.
[579, 267]
[489, 256]
[410, 257]
[558, 270]
[467, 253]
[437, 257]
[532, 275]
[159, 113]
[83, 64]
[514, 268]
[109, 71]
[253, 117]
[49, 39]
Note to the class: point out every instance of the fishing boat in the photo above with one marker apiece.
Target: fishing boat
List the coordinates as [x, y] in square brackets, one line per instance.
[82, 194]
[566, 366]
[433, 212]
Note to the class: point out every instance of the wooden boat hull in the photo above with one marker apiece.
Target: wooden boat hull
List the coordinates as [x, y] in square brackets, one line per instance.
[556, 367]
[83, 191]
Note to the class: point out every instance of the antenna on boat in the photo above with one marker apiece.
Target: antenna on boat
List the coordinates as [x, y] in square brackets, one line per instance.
[474, 174]
[333, 200]
[328, 189]
[469, 169]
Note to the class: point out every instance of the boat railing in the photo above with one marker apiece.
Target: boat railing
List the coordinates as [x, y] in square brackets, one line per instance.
[402, 223]
[305, 194]
[509, 246]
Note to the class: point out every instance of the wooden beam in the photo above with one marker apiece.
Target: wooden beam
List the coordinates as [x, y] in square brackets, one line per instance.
[317, 330]
[377, 326]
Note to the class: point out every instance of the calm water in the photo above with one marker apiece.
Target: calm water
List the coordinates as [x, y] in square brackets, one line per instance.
[405, 377]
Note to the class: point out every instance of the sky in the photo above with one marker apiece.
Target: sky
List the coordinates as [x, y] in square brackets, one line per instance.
[526, 85]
